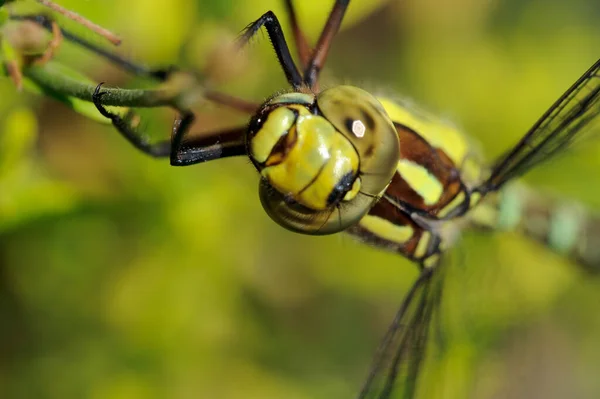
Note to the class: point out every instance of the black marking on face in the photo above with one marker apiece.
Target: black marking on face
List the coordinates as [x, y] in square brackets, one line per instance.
[341, 188]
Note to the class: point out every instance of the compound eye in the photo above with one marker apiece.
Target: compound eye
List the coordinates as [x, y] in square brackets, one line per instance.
[296, 217]
[361, 118]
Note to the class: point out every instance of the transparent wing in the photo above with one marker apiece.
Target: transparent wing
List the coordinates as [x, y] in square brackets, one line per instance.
[573, 113]
[395, 370]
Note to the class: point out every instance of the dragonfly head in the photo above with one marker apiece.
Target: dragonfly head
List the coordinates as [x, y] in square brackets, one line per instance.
[324, 160]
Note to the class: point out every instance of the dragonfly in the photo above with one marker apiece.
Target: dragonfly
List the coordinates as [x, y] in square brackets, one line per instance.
[344, 160]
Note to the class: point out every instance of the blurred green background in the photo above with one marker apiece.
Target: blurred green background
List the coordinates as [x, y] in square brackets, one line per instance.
[123, 277]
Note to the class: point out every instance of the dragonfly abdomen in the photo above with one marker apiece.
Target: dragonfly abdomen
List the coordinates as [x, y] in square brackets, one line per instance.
[565, 227]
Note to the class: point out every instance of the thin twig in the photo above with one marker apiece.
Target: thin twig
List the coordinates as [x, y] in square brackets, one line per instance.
[108, 35]
[118, 60]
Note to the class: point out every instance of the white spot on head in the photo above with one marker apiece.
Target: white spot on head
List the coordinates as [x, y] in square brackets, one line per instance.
[358, 128]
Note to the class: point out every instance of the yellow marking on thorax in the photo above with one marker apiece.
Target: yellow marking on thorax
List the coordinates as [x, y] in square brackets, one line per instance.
[431, 261]
[420, 180]
[386, 229]
[421, 249]
[437, 134]
[456, 201]
[471, 170]
[475, 198]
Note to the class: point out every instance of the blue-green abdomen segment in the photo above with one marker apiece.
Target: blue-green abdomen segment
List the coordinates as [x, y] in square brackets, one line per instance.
[566, 228]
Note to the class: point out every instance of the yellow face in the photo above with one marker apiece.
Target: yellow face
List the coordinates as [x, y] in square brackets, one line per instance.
[325, 159]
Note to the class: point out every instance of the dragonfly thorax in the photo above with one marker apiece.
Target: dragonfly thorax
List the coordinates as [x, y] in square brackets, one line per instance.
[324, 160]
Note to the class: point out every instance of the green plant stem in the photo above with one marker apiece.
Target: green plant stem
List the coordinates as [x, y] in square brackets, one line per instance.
[53, 81]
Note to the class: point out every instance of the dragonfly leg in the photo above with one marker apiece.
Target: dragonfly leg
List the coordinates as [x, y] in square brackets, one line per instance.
[271, 23]
[317, 61]
[304, 50]
[160, 74]
[127, 126]
[214, 145]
